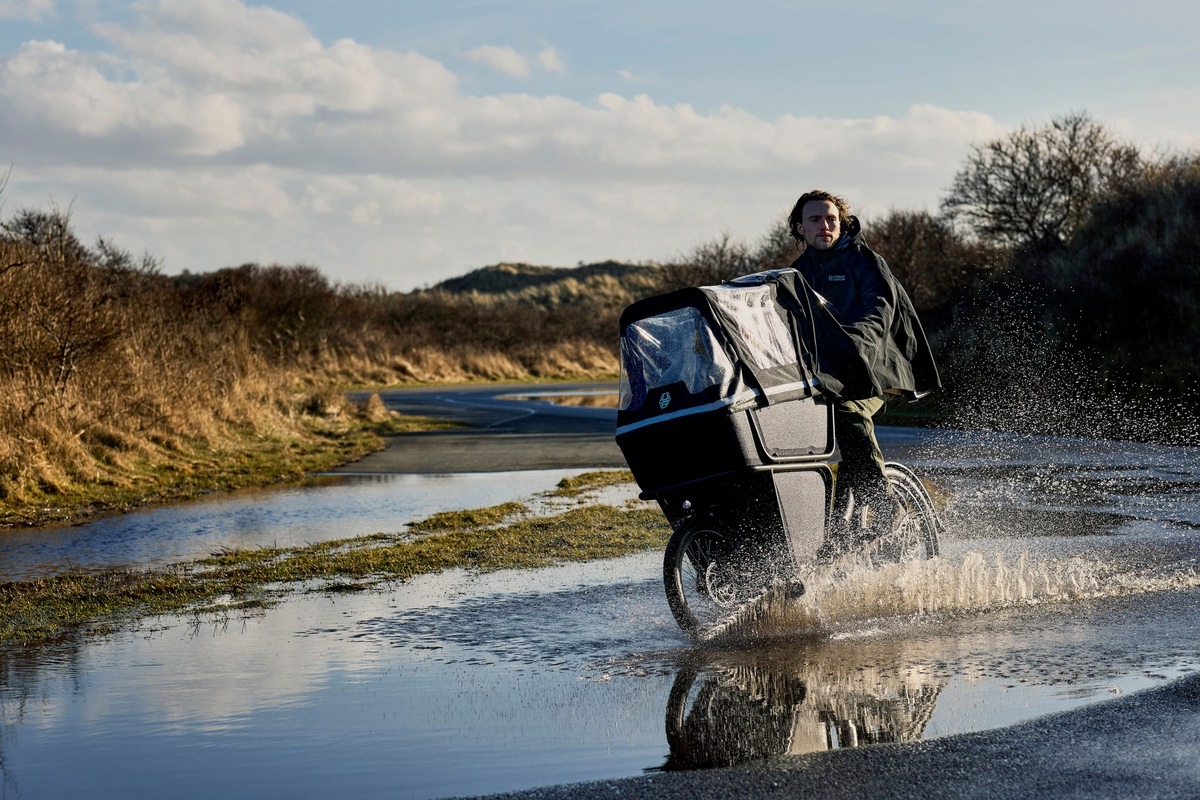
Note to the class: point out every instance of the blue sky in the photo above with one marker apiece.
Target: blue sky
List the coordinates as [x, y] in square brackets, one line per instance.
[401, 143]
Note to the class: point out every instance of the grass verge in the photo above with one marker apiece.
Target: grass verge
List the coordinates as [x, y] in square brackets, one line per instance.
[499, 537]
[244, 460]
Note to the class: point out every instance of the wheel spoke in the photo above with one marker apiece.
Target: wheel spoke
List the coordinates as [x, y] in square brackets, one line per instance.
[699, 579]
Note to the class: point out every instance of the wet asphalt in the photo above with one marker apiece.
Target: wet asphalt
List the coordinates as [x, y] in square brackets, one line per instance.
[1144, 745]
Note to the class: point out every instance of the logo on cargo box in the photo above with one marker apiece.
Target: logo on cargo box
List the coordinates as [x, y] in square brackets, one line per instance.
[665, 400]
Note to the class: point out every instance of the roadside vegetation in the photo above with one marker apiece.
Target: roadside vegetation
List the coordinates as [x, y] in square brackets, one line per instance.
[124, 386]
[1059, 283]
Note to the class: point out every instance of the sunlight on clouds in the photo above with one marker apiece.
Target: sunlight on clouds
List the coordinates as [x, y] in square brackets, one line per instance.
[655, 204]
[263, 54]
[1165, 120]
[501, 59]
[255, 191]
[49, 84]
[238, 119]
[217, 77]
[174, 90]
[222, 40]
[330, 196]
[916, 143]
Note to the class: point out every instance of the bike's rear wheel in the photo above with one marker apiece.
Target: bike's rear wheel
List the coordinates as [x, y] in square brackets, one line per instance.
[919, 532]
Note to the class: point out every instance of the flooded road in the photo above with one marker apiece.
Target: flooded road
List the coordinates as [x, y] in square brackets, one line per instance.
[326, 507]
[1069, 576]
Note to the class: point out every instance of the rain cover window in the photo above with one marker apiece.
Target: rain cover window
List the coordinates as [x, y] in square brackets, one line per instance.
[704, 348]
[750, 314]
[677, 347]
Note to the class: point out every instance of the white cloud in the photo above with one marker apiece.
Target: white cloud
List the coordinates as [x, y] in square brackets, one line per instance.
[501, 59]
[551, 61]
[68, 92]
[212, 133]
[1165, 120]
[218, 80]
[35, 10]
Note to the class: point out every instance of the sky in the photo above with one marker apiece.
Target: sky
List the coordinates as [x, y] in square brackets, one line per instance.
[397, 143]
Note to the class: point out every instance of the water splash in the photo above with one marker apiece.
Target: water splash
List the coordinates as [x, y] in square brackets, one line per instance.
[860, 596]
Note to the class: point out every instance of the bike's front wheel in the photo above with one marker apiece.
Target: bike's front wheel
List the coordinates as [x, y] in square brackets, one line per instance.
[704, 575]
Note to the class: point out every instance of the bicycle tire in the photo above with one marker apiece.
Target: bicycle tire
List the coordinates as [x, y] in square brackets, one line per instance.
[919, 533]
[702, 575]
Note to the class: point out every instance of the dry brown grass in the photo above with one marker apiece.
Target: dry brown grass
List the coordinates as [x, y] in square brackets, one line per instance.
[118, 381]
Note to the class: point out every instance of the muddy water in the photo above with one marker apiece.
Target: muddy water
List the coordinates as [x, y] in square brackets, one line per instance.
[1069, 576]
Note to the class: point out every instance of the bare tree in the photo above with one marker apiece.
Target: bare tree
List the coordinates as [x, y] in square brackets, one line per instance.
[777, 248]
[710, 263]
[931, 261]
[1037, 186]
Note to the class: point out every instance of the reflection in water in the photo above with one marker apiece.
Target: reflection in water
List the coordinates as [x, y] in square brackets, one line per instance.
[325, 507]
[734, 711]
[597, 398]
[461, 684]
[1058, 587]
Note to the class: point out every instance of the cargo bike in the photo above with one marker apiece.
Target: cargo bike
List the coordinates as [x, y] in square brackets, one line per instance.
[722, 421]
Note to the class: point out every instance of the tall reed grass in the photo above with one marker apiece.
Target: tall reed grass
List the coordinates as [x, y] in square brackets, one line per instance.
[112, 371]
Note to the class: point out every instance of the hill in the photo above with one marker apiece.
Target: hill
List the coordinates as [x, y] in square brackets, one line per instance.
[606, 284]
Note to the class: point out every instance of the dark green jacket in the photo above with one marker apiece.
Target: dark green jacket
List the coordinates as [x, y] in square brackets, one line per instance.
[869, 339]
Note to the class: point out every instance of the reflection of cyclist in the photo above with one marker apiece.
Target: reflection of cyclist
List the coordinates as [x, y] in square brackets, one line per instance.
[875, 313]
[726, 716]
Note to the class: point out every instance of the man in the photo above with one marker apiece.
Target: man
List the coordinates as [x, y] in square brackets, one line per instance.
[884, 352]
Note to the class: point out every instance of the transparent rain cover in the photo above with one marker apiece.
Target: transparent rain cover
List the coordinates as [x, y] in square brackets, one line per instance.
[675, 347]
[751, 311]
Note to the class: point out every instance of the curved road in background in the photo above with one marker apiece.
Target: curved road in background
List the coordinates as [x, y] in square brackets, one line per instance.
[505, 434]
[511, 430]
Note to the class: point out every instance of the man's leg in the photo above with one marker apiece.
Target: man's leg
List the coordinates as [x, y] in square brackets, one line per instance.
[860, 478]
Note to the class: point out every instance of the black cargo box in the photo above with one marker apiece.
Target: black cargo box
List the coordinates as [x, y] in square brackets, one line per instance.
[714, 382]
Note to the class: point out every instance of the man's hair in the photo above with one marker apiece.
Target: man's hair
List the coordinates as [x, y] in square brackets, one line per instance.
[839, 203]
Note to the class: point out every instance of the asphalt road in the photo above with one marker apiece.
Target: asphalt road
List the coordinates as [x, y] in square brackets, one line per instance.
[505, 434]
[1145, 745]
[508, 432]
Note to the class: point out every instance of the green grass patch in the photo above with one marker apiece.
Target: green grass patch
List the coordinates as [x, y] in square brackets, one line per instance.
[36, 610]
[471, 518]
[590, 481]
[397, 424]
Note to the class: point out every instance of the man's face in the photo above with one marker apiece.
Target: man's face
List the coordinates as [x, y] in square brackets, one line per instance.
[819, 224]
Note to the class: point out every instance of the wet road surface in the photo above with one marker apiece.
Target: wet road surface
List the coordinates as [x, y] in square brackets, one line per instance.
[1144, 745]
[464, 684]
[505, 434]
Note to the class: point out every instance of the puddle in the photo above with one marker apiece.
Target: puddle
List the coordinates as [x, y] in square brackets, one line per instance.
[1060, 586]
[458, 684]
[326, 507]
[581, 398]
